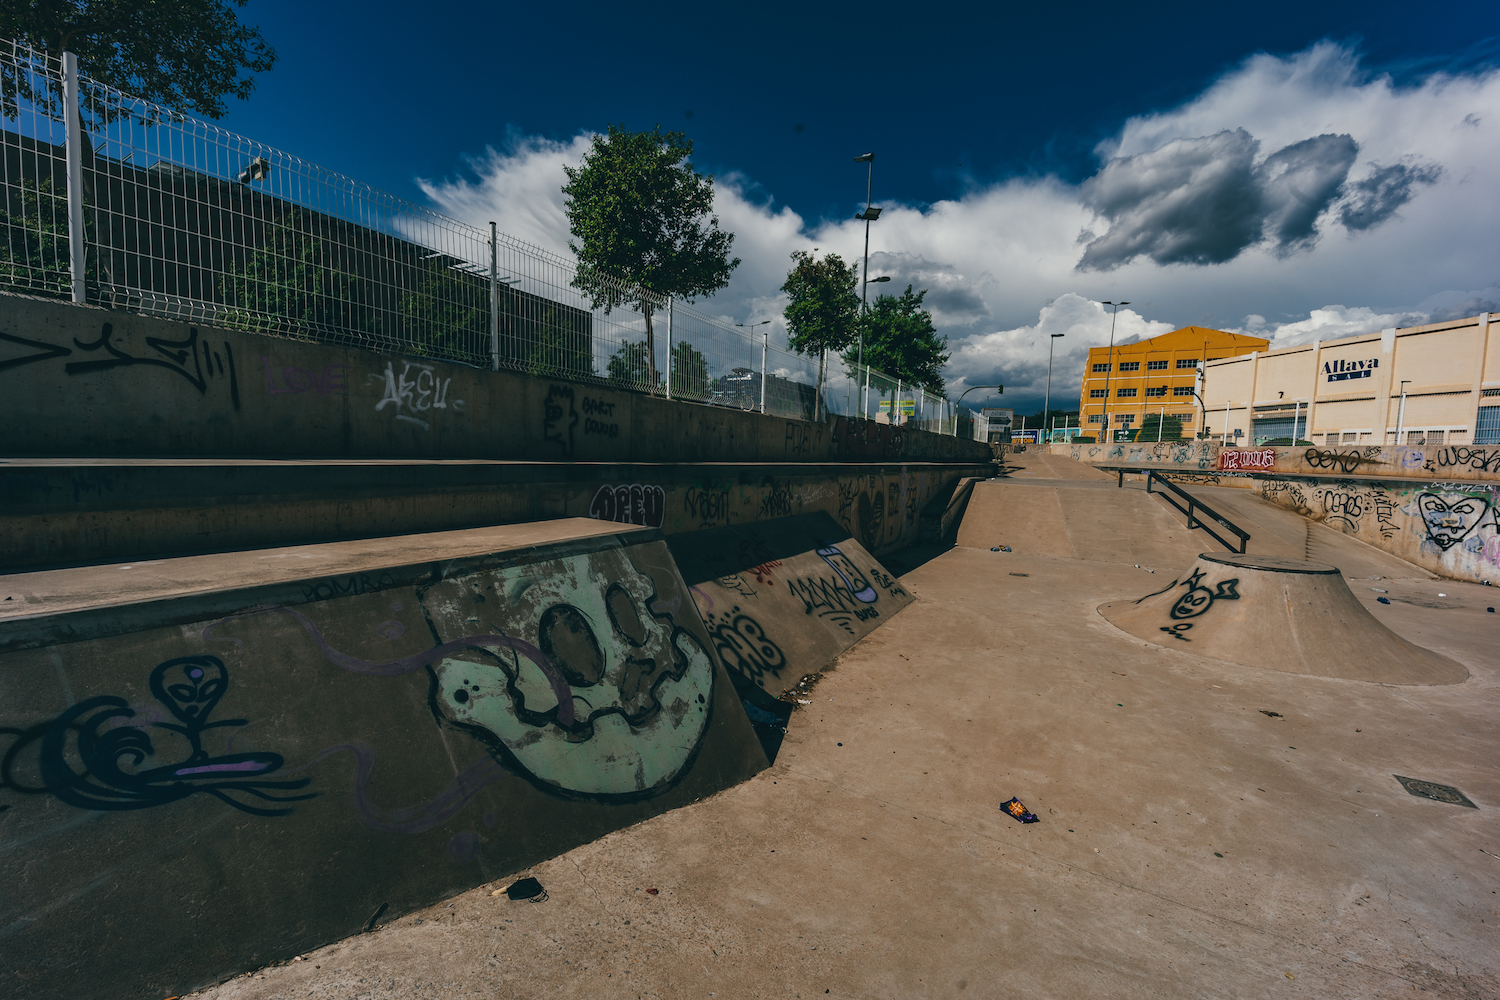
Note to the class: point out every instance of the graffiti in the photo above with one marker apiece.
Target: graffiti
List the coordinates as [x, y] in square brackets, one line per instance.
[743, 645]
[351, 585]
[1345, 461]
[763, 570]
[1385, 512]
[110, 741]
[195, 360]
[426, 815]
[633, 504]
[299, 380]
[736, 583]
[706, 505]
[849, 494]
[596, 418]
[1263, 460]
[1344, 508]
[798, 441]
[1449, 522]
[1286, 494]
[854, 581]
[1478, 459]
[833, 599]
[1412, 458]
[889, 583]
[634, 703]
[1202, 478]
[778, 499]
[559, 418]
[1198, 598]
[425, 392]
[1175, 631]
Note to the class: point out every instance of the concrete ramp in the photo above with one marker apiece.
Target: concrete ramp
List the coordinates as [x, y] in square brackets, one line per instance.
[1076, 519]
[1280, 614]
[782, 598]
[276, 749]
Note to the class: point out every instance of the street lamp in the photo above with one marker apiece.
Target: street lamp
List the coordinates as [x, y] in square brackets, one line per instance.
[1104, 417]
[765, 338]
[1047, 399]
[1401, 413]
[869, 215]
[998, 388]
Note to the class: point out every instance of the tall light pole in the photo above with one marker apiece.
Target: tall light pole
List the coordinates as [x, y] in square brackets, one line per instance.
[1401, 413]
[869, 215]
[1104, 430]
[765, 338]
[1047, 399]
[998, 388]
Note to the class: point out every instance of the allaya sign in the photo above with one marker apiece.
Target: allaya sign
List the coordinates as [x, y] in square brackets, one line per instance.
[1338, 371]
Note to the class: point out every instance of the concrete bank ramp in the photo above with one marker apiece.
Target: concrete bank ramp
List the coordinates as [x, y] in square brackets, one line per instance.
[1281, 614]
[1076, 519]
[273, 750]
[782, 598]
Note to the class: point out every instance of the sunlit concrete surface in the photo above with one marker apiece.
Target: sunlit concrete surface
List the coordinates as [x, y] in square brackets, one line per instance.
[1190, 843]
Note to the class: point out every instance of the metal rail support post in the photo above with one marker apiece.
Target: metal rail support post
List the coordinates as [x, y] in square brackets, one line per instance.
[494, 300]
[669, 347]
[77, 238]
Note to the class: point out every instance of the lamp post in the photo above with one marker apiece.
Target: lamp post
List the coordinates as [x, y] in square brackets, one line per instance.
[1047, 399]
[765, 337]
[998, 388]
[1104, 417]
[869, 215]
[1401, 413]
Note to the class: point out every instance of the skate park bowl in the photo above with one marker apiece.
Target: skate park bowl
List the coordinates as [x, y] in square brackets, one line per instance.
[1282, 614]
[291, 746]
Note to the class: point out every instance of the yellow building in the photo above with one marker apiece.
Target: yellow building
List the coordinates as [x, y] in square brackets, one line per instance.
[1153, 376]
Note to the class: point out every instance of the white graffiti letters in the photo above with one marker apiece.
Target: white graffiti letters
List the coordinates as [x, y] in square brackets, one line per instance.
[415, 393]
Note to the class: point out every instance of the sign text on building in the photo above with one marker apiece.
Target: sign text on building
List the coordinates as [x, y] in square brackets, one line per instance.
[1339, 371]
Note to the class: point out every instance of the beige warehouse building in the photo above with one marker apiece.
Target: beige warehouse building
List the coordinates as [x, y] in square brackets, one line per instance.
[1349, 391]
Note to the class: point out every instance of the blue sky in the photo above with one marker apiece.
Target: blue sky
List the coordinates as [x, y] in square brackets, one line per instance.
[1336, 163]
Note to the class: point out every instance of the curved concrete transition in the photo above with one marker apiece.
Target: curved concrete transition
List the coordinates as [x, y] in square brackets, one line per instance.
[1282, 614]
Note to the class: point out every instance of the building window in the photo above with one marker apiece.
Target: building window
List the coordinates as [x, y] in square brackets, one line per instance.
[1182, 390]
[1125, 393]
[1156, 366]
[1104, 367]
[1130, 366]
[1098, 393]
[1187, 418]
[1159, 390]
[1187, 362]
[1096, 418]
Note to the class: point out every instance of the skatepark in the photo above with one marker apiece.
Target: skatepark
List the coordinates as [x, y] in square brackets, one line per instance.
[745, 696]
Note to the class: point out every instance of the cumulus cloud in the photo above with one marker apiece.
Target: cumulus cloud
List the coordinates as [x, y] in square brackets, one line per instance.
[1289, 183]
[1375, 197]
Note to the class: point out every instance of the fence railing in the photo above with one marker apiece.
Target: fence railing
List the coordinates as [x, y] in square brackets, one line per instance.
[183, 219]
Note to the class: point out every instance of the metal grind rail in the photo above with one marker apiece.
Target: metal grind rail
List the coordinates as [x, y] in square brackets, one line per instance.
[1193, 506]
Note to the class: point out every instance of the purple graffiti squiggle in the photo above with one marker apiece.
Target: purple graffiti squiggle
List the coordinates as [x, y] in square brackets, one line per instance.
[244, 765]
[406, 664]
[419, 818]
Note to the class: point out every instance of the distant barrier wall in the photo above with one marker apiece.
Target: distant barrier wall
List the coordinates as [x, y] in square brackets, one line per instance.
[80, 381]
[1479, 463]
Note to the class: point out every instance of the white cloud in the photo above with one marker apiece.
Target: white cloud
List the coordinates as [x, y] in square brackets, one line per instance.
[1408, 235]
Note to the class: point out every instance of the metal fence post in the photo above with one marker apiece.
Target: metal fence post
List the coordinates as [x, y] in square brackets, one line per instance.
[494, 300]
[669, 347]
[77, 238]
[765, 343]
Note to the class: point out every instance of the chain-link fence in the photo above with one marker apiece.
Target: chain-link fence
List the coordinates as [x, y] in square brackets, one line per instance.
[186, 220]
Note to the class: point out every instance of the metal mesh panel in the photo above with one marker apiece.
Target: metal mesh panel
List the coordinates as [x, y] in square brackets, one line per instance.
[188, 221]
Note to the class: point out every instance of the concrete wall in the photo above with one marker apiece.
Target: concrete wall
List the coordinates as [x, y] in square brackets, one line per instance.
[1437, 462]
[82, 381]
[61, 514]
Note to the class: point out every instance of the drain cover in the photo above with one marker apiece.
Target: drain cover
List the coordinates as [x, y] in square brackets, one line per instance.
[1434, 791]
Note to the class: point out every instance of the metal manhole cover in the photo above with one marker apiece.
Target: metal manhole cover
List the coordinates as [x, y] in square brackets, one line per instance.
[1432, 790]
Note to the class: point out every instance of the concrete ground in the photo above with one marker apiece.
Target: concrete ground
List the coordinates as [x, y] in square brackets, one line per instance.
[1190, 844]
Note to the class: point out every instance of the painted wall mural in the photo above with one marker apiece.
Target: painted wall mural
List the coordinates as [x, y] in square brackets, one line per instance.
[1449, 528]
[1441, 462]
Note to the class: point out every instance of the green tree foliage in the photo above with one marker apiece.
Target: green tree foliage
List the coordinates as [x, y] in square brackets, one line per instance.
[689, 373]
[34, 239]
[447, 312]
[823, 312]
[629, 367]
[901, 341]
[185, 54]
[641, 224]
[289, 284]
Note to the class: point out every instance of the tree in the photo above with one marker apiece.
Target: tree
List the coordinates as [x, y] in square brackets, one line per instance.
[823, 314]
[689, 373]
[185, 54]
[901, 341]
[1171, 428]
[629, 367]
[639, 213]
